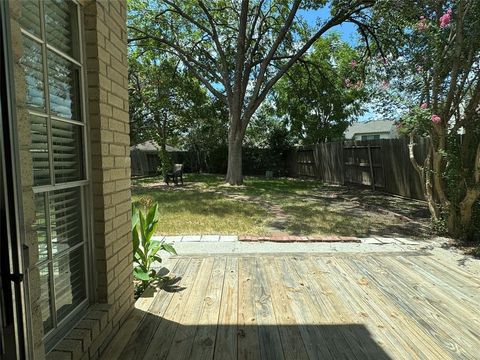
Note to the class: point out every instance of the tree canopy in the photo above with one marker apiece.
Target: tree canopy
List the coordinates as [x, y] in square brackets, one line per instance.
[322, 93]
[238, 50]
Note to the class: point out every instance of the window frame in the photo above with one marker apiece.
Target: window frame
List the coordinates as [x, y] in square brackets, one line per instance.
[84, 185]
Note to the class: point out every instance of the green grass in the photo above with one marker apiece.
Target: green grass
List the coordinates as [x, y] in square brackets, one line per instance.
[205, 205]
[197, 210]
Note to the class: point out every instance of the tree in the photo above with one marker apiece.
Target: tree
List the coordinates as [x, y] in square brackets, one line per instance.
[163, 97]
[437, 58]
[166, 101]
[322, 92]
[238, 50]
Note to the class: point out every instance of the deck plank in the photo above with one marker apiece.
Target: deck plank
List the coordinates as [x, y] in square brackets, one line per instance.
[204, 341]
[349, 338]
[190, 313]
[462, 288]
[152, 312]
[386, 321]
[248, 347]
[161, 342]
[268, 334]
[450, 306]
[226, 339]
[307, 306]
[420, 309]
[290, 334]
[311, 317]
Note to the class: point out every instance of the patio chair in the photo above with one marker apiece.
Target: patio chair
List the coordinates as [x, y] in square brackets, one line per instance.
[175, 174]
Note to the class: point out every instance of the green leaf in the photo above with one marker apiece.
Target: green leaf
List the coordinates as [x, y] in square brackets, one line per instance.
[135, 239]
[135, 218]
[142, 229]
[169, 248]
[141, 274]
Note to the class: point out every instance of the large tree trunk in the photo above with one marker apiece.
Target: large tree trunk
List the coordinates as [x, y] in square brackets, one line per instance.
[236, 133]
[234, 170]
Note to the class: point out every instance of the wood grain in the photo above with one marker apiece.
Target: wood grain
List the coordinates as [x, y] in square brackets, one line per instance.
[302, 306]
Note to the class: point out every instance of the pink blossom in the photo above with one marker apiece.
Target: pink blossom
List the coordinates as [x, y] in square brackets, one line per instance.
[422, 24]
[358, 85]
[353, 64]
[436, 119]
[424, 106]
[385, 85]
[419, 68]
[348, 83]
[446, 18]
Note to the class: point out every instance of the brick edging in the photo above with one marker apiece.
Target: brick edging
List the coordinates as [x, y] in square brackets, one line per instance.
[294, 238]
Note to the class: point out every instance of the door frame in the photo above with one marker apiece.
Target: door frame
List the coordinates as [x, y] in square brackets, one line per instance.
[9, 182]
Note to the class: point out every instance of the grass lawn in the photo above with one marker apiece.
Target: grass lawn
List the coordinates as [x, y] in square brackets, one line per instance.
[205, 205]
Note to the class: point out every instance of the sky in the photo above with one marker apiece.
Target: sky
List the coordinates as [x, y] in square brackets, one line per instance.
[347, 31]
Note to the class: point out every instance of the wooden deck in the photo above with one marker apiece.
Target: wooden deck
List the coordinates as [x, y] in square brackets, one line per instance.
[372, 306]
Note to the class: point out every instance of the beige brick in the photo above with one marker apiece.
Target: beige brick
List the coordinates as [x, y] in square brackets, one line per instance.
[122, 184]
[117, 150]
[84, 335]
[109, 126]
[120, 115]
[122, 138]
[100, 339]
[73, 346]
[100, 316]
[108, 187]
[116, 125]
[59, 355]
[106, 109]
[117, 77]
[115, 100]
[112, 50]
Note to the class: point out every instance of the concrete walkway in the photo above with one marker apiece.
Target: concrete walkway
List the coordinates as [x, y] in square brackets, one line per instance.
[219, 244]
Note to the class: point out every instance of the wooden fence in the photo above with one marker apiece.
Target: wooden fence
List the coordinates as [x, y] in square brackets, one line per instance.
[380, 164]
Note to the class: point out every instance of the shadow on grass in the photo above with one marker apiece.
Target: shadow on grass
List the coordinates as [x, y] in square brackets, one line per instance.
[194, 202]
[312, 207]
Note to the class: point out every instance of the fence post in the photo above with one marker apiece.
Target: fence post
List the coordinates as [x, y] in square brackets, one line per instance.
[372, 174]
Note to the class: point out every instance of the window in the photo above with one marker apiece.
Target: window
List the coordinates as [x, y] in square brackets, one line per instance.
[53, 69]
[370, 137]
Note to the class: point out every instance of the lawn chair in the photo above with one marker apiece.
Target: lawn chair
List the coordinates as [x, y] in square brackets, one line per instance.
[177, 173]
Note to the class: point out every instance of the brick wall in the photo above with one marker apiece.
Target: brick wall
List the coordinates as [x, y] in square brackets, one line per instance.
[107, 103]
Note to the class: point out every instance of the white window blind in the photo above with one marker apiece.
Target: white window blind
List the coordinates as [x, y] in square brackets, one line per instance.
[53, 78]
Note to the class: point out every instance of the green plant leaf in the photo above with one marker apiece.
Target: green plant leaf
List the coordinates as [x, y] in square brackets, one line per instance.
[169, 248]
[152, 214]
[142, 231]
[135, 218]
[151, 221]
[157, 258]
[135, 239]
[155, 247]
[141, 274]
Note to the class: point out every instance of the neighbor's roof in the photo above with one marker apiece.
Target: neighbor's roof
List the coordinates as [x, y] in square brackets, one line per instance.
[369, 127]
[152, 146]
